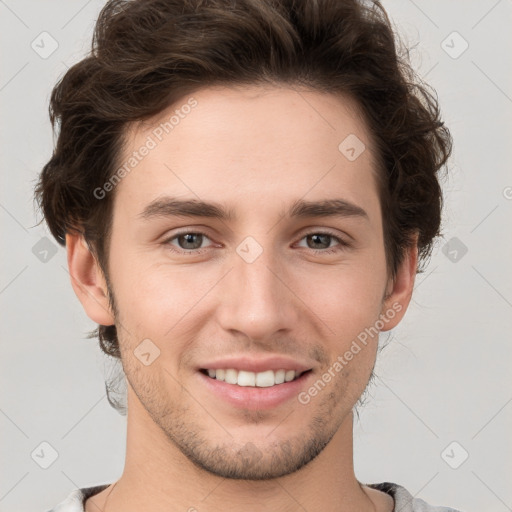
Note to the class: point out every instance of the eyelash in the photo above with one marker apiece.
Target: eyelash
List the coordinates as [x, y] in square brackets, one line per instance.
[340, 247]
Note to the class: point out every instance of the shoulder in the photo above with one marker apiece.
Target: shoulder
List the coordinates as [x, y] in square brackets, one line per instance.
[405, 502]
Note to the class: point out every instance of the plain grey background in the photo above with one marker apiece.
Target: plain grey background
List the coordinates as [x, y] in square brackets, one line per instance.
[439, 418]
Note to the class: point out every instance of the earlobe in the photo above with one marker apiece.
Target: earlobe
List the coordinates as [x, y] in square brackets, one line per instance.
[399, 291]
[88, 280]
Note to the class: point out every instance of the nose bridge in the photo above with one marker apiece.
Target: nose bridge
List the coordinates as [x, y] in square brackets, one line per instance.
[257, 302]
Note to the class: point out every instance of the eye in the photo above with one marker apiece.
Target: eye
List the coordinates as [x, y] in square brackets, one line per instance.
[323, 239]
[188, 242]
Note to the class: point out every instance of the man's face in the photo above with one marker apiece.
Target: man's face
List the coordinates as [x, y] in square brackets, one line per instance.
[259, 285]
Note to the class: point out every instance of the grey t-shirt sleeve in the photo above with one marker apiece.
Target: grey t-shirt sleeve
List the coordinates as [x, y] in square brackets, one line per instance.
[76, 499]
[405, 501]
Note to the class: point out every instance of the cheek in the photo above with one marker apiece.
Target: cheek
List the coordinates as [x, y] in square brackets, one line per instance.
[347, 298]
[154, 299]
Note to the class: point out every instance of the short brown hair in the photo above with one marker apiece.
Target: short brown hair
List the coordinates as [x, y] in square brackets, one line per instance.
[147, 54]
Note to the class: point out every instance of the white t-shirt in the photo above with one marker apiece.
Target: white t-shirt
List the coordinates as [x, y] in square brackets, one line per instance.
[404, 501]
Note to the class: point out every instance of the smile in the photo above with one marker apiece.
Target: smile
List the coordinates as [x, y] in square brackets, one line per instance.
[245, 378]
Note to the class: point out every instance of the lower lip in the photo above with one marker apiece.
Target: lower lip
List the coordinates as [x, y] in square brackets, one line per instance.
[254, 398]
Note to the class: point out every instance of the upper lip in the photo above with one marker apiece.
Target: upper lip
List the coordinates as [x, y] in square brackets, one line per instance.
[252, 364]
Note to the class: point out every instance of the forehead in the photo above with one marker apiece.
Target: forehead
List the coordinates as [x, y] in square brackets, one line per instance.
[251, 145]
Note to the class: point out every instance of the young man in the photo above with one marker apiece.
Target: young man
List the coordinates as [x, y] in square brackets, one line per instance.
[246, 190]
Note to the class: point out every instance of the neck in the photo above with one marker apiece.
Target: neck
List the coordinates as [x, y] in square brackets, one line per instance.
[158, 477]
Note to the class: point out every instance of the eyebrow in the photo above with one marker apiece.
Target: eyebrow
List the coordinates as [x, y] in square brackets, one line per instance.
[173, 207]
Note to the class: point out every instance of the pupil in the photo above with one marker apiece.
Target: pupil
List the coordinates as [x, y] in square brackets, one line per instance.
[189, 239]
[324, 237]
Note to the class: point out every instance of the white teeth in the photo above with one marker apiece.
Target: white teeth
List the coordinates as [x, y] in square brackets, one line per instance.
[246, 378]
[261, 379]
[265, 379]
[231, 376]
[280, 376]
[289, 375]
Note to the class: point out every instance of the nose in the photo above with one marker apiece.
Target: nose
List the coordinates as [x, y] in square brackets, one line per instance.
[256, 298]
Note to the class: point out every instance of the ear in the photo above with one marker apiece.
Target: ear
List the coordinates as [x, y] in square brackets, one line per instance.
[88, 280]
[399, 290]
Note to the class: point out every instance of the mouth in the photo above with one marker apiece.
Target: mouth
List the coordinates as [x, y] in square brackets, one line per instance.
[264, 379]
[264, 390]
